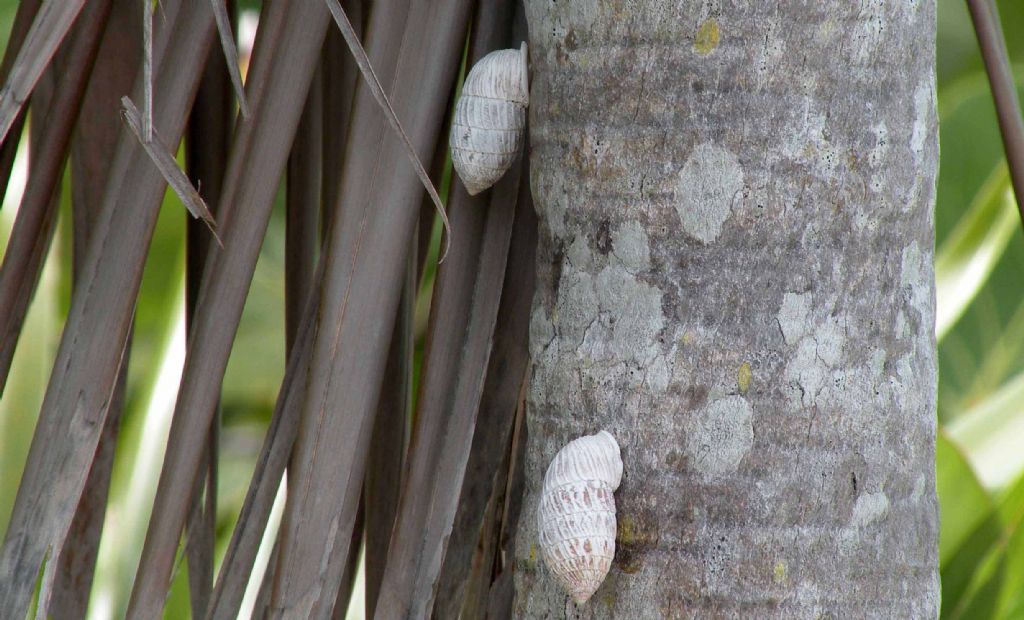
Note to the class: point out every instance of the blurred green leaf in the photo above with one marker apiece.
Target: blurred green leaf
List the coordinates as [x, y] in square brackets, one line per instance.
[979, 600]
[256, 365]
[957, 49]
[995, 584]
[966, 504]
[971, 146]
[1010, 597]
[969, 527]
[991, 433]
[981, 323]
[178, 604]
[970, 252]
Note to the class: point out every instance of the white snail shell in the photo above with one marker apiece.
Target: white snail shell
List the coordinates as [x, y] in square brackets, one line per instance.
[576, 516]
[487, 130]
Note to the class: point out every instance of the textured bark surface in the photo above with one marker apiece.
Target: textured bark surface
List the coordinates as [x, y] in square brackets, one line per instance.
[734, 278]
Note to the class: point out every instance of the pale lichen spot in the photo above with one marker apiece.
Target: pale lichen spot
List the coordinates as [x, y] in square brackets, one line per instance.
[807, 371]
[743, 377]
[876, 185]
[830, 338]
[870, 507]
[631, 311]
[923, 105]
[807, 135]
[579, 254]
[705, 190]
[906, 392]
[658, 374]
[793, 316]
[577, 305]
[610, 316]
[917, 278]
[876, 363]
[720, 436]
[707, 38]
[819, 351]
[918, 490]
[902, 328]
[631, 246]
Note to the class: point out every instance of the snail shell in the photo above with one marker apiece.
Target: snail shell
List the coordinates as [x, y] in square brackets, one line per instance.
[487, 130]
[576, 516]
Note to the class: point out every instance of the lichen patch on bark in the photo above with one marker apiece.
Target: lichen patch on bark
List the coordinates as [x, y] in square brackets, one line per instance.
[923, 106]
[819, 349]
[706, 188]
[918, 284]
[877, 154]
[631, 247]
[720, 436]
[793, 316]
[630, 319]
[870, 507]
[604, 309]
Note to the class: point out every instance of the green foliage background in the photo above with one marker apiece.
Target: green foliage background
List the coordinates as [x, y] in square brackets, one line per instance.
[979, 257]
[979, 254]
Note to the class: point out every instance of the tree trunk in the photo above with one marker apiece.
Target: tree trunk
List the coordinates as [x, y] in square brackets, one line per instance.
[735, 279]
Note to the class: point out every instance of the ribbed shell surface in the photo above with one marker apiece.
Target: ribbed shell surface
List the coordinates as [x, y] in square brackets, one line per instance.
[490, 116]
[576, 516]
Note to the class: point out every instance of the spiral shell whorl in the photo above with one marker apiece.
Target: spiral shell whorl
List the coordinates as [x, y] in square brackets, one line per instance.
[576, 516]
[487, 131]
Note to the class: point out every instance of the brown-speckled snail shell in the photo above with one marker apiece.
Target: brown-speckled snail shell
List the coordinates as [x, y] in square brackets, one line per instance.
[576, 516]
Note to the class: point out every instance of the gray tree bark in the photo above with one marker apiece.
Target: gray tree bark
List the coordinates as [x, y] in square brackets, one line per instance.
[735, 279]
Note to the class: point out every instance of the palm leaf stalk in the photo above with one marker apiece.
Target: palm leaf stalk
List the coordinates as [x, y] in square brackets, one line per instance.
[93, 342]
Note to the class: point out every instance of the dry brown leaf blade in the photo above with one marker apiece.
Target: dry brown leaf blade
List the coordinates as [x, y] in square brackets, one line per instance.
[35, 222]
[292, 43]
[227, 43]
[161, 156]
[23, 19]
[453, 379]
[384, 470]
[366, 260]
[207, 148]
[147, 71]
[89, 358]
[466, 303]
[363, 62]
[51, 25]
[114, 70]
[506, 370]
[237, 564]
